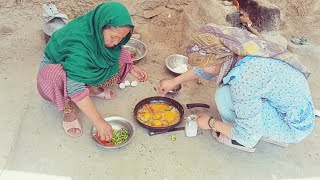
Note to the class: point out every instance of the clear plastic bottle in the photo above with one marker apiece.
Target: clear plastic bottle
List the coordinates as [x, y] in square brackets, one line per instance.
[191, 128]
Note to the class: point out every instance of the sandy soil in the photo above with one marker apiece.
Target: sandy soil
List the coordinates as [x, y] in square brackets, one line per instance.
[160, 23]
[21, 22]
[300, 18]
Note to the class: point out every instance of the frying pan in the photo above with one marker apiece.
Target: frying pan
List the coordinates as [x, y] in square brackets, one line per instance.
[172, 102]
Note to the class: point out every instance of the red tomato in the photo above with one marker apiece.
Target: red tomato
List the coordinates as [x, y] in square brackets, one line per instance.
[105, 143]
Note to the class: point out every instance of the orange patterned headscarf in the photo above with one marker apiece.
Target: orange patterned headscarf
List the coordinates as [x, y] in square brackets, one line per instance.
[209, 50]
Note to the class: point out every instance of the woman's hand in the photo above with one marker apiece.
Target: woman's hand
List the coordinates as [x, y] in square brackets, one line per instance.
[203, 121]
[166, 85]
[139, 73]
[104, 130]
[224, 128]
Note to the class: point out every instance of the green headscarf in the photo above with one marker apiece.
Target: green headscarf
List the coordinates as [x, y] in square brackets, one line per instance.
[79, 46]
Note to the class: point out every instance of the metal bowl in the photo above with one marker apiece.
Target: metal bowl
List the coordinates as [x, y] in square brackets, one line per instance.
[176, 60]
[117, 123]
[137, 47]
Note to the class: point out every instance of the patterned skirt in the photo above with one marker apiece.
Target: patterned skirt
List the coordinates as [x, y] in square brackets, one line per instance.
[52, 83]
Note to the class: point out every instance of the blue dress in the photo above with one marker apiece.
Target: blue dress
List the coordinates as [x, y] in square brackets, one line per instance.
[267, 98]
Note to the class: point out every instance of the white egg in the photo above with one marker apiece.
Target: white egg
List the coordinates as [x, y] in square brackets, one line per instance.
[122, 85]
[134, 83]
[127, 83]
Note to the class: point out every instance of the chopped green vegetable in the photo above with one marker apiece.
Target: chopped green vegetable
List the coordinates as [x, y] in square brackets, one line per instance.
[169, 108]
[132, 51]
[119, 136]
[173, 137]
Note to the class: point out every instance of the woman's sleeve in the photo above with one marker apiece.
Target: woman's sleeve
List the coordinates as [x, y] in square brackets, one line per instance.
[44, 61]
[76, 90]
[198, 71]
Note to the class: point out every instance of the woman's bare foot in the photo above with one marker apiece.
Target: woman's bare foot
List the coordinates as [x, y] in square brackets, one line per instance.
[97, 91]
[94, 90]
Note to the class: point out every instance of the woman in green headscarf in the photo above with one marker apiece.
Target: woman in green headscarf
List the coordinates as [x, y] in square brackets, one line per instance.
[83, 59]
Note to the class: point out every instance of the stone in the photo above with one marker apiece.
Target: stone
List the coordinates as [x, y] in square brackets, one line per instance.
[299, 40]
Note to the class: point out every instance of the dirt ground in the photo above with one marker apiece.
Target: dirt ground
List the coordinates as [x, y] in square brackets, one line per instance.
[300, 17]
[161, 23]
[165, 26]
[164, 16]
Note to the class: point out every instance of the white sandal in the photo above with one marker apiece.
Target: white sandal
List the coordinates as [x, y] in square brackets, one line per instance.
[229, 142]
[75, 124]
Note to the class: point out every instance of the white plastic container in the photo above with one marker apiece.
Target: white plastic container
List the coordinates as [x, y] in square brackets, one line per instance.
[191, 128]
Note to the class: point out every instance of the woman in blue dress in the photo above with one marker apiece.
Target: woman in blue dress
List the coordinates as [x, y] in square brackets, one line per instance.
[262, 93]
